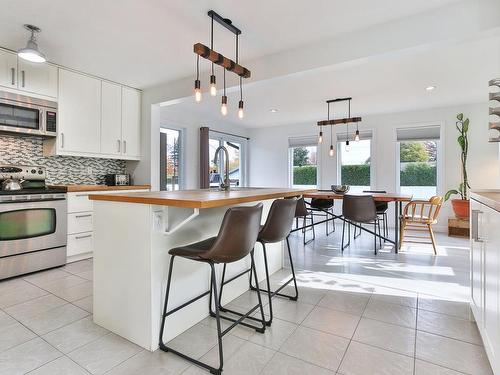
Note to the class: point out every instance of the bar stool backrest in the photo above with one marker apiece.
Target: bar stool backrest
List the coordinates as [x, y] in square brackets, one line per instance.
[279, 221]
[381, 206]
[237, 234]
[359, 208]
[301, 209]
[321, 203]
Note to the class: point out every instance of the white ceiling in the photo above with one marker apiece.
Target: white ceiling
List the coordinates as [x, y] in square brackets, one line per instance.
[147, 42]
[383, 84]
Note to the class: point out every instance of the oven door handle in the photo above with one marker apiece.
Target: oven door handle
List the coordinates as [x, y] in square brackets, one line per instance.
[33, 200]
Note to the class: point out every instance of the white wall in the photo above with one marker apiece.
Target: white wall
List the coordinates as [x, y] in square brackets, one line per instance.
[269, 150]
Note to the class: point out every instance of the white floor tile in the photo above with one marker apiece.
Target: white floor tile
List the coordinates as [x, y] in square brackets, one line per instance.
[102, 355]
[282, 364]
[332, 321]
[353, 303]
[386, 336]
[60, 366]
[275, 335]
[147, 363]
[320, 348]
[361, 359]
[55, 318]
[426, 368]
[453, 354]
[391, 313]
[26, 357]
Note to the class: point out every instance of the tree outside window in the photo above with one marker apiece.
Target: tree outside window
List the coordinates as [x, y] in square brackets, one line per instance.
[304, 166]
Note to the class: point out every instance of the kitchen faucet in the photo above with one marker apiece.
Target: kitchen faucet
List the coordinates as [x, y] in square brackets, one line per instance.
[224, 185]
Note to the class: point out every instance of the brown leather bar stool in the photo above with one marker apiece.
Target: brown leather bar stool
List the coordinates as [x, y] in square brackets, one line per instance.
[276, 229]
[382, 208]
[303, 212]
[236, 239]
[359, 209]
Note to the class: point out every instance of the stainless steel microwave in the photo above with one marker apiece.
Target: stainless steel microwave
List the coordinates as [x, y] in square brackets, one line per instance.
[26, 115]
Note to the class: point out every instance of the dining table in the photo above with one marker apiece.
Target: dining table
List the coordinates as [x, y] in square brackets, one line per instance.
[397, 198]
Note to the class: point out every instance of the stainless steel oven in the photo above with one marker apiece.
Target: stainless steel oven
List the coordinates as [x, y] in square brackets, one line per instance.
[26, 115]
[32, 232]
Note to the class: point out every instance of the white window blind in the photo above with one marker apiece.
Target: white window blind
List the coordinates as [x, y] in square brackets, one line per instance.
[422, 133]
[304, 141]
[365, 134]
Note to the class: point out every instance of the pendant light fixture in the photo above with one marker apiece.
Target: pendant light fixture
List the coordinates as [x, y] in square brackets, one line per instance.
[332, 152]
[241, 114]
[340, 121]
[223, 107]
[213, 85]
[197, 83]
[31, 51]
[320, 137]
[227, 64]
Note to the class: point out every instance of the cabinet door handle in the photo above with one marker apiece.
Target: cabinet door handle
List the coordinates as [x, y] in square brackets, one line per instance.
[81, 195]
[124, 147]
[82, 237]
[82, 216]
[13, 76]
[62, 140]
[475, 225]
[119, 146]
[23, 76]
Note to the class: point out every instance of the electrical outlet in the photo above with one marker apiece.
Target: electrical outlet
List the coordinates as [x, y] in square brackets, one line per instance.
[89, 170]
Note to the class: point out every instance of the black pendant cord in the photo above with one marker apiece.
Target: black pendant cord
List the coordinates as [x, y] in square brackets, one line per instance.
[224, 80]
[331, 127]
[212, 39]
[197, 67]
[241, 89]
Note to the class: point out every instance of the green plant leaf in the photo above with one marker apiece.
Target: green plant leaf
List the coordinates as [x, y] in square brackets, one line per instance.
[461, 141]
[460, 116]
[449, 193]
[465, 126]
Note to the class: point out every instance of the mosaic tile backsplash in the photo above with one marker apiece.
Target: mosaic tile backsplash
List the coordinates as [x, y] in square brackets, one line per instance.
[60, 169]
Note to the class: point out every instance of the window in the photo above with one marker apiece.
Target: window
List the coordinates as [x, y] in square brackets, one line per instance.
[354, 163]
[170, 159]
[303, 156]
[236, 147]
[417, 161]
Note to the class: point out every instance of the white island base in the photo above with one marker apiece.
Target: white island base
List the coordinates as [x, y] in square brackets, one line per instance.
[131, 264]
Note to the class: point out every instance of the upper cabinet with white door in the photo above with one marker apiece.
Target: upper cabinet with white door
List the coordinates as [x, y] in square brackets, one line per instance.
[30, 78]
[79, 114]
[111, 119]
[131, 121]
[8, 69]
[37, 78]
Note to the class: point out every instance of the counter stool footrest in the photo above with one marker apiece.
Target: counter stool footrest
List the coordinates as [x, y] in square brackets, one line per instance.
[241, 319]
[212, 370]
[276, 292]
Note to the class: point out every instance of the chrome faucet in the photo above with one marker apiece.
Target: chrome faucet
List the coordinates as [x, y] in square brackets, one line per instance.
[224, 185]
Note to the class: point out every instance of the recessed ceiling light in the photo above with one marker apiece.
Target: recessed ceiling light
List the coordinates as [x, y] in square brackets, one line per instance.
[273, 110]
[430, 88]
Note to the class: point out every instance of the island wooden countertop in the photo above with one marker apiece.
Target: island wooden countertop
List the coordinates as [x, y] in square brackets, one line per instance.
[83, 188]
[201, 198]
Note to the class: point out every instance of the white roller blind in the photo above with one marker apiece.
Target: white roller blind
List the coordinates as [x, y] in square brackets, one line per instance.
[304, 141]
[422, 133]
[365, 134]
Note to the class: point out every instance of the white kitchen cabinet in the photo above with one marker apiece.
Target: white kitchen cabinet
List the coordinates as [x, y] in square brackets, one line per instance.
[79, 114]
[131, 123]
[485, 277]
[8, 69]
[37, 78]
[80, 239]
[111, 119]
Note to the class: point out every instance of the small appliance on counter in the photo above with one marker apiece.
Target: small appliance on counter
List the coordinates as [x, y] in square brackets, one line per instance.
[33, 225]
[117, 180]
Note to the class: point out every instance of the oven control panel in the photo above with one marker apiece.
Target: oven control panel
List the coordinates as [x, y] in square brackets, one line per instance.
[25, 172]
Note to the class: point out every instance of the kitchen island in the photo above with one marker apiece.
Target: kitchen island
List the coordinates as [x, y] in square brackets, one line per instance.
[132, 235]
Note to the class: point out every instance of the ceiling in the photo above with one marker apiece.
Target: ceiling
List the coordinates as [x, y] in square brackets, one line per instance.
[145, 43]
[383, 84]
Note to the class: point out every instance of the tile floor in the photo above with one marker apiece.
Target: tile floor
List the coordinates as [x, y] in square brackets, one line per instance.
[357, 314]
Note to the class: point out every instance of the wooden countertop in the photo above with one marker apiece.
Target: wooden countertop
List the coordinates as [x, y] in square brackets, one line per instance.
[81, 188]
[201, 198]
[490, 198]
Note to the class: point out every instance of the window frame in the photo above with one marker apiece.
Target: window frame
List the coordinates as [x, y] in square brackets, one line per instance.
[243, 152]
[439, 160]
[318, 163]
[373, 173]
[182, 153]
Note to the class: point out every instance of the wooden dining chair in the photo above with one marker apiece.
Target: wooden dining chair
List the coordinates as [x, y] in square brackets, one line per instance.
[420, 216]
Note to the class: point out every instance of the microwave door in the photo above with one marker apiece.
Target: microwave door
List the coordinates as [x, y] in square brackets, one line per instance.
[20, 119]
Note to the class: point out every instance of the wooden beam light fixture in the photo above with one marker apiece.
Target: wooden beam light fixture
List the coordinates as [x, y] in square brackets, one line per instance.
[217, 58]
[332, 122]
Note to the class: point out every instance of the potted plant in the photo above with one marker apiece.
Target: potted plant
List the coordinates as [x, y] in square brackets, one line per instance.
[461, 205]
